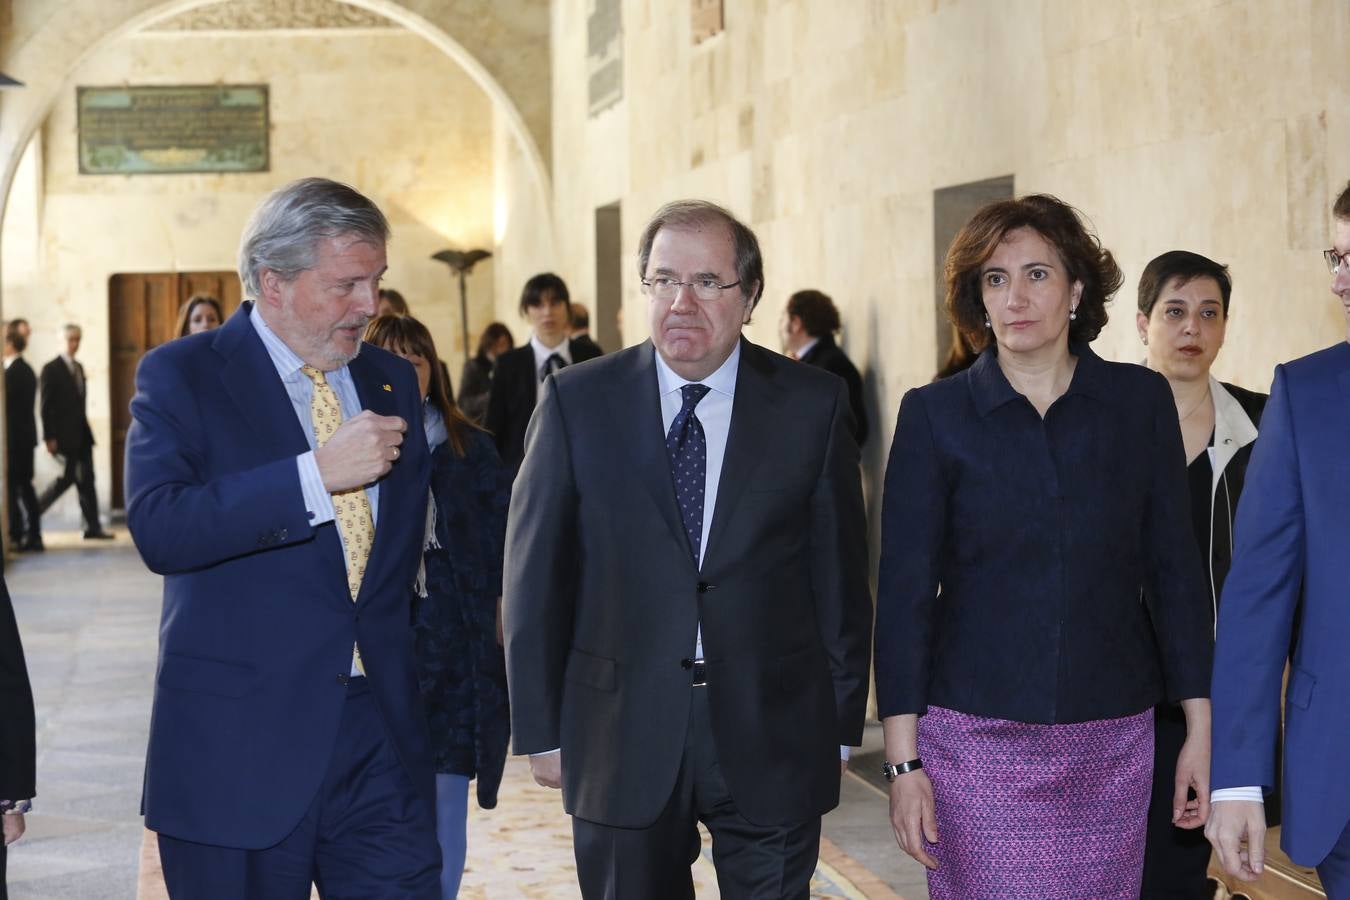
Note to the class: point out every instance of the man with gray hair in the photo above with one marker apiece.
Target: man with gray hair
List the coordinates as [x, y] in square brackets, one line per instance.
[287, 741]
[688, 627]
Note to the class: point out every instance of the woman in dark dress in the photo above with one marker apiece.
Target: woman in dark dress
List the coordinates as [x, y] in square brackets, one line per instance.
[457, 599]
[1028, 502]
[1182, 320]
[475, 384]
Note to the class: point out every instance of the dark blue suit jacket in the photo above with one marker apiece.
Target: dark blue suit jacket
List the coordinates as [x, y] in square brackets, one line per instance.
[258, 622]
[1292, 530]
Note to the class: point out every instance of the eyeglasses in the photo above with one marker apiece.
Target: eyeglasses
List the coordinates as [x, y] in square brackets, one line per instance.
[667, 289]
[1335, 260]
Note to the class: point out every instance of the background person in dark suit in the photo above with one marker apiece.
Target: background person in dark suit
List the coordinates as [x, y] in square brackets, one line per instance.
[687, 613]
[810, 322]
[518, 379]
[269, 481]
[18, 750]
[581, 330]
[475, 382]
[66, 431]
[25, 516]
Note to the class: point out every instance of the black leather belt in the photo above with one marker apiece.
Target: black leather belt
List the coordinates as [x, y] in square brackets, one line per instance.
[698, 669]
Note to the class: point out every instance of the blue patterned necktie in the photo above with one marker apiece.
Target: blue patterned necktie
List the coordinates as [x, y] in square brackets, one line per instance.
[688, 451]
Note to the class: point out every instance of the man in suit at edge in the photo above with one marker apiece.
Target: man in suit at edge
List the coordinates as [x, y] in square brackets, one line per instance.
[808, 332]
[18, 744]
[270, 483]
[518, 379]
[1291, 531]
[25, 516]
[66, 432]
[687, 612]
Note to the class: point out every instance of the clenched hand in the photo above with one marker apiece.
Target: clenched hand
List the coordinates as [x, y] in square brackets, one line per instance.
[362, 450]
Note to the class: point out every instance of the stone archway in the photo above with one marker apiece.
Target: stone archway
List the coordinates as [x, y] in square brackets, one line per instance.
[483, 36]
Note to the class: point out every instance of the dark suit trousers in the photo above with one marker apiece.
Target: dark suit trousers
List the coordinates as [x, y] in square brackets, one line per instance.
[1175, 859]
[24, 513]
[79, 471]
[367, 835]
[752, 861]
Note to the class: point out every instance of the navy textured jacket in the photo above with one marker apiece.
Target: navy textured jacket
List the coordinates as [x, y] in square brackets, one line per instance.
[461, 669]
[1015, 550]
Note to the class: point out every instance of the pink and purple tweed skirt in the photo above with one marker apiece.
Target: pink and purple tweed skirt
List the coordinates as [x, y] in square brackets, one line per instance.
[1037, 812]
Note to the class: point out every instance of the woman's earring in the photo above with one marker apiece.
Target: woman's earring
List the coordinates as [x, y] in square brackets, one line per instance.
[1144, 338]
[1073, 314]
[987, 323]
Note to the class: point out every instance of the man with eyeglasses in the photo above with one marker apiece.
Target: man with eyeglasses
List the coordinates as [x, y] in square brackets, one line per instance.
[686, 605]
[1292, 531]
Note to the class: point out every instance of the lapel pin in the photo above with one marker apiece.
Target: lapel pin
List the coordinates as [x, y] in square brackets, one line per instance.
[388, 388]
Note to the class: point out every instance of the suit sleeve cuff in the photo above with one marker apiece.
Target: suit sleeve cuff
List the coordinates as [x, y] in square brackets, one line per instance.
[844, 752]
[1238, 793]
[318, 502]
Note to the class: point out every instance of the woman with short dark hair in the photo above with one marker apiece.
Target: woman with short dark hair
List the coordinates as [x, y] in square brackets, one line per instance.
[1182, 321]
[1028, 502]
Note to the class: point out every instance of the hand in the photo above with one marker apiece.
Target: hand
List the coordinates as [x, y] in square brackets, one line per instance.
[912, 815]
[51, 445]
[547, 769]
[361, 451]
[13, 827]
[1192, 775]
[1232, 821]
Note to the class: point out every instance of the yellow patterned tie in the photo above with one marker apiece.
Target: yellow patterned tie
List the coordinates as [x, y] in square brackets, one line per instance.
[350, 508]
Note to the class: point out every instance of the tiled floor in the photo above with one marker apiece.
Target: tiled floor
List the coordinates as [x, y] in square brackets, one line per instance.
[89, 614]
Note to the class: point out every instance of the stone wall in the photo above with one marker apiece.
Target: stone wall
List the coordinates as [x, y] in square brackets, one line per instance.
[1220, 127]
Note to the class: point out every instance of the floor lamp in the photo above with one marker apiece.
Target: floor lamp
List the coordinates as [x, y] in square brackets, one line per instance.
[461, 263]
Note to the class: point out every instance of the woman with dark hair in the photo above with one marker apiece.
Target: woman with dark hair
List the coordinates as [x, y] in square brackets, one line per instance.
[457, 599]
[1182, 320]
[200, 313]
[475, 384]
[1028, 502]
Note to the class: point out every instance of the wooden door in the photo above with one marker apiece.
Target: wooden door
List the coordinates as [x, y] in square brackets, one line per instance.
[142, 314]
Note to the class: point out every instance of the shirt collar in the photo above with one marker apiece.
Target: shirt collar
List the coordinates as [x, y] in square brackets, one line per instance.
[992, 389]
[807, 348]
[283, 357]
[723, 380]
[542, 353]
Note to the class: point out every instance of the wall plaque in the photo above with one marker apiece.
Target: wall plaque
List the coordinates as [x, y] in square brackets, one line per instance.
[161, 130]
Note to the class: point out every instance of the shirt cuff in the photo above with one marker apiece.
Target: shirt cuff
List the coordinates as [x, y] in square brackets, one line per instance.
[15, 807]
[318, 502]
[843, 752]
[545, 753]
[1238, 793]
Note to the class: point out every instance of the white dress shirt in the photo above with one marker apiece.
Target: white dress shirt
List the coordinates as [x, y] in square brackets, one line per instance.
[541, 355]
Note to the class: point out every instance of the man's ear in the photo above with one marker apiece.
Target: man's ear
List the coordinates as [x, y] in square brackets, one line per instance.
[271, 287]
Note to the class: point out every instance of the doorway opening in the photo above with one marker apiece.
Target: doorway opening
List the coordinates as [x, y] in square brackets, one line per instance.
[142, 314]
[608, 276]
